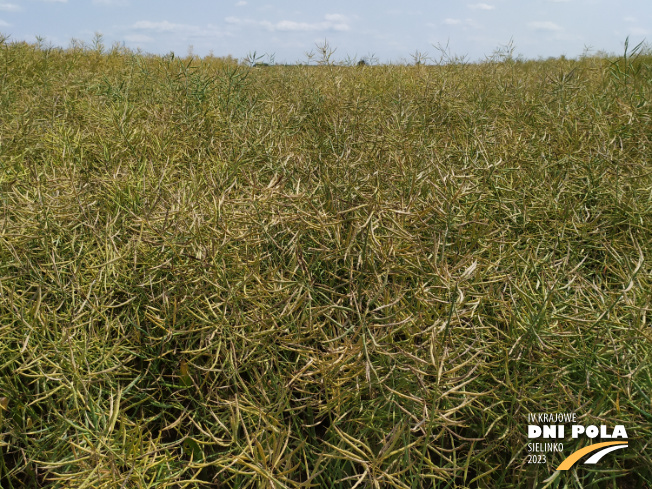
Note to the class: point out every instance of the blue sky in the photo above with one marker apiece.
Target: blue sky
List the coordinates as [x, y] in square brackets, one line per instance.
[390, 30]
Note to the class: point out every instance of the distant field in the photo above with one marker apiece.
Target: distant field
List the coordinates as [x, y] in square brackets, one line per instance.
[214, 275]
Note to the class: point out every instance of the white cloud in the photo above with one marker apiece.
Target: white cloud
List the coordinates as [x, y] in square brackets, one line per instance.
[56, 1]
[138, 38]
[638, 31]
[464, 23]
[182, 31]
[331, 22]
[482, 6]
[241, 3]
[336, 18]
[163, 26]
[289, 25]
[630, 19]
[111, 2]
[544, 26]
[238, 21]
[4, 24]
[9, 7]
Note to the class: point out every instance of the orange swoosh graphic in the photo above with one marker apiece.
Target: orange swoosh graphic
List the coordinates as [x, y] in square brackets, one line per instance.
[575, 456]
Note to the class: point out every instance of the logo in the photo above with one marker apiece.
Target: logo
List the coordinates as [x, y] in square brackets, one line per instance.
[604, 448]
[553, 427]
